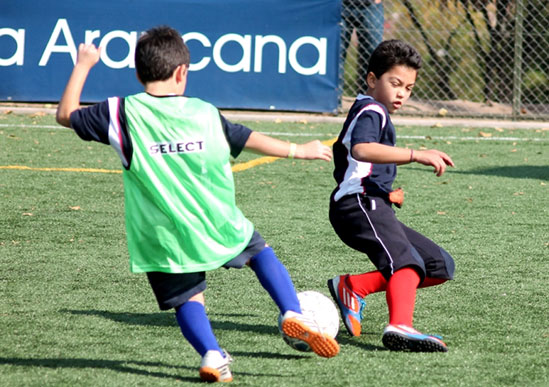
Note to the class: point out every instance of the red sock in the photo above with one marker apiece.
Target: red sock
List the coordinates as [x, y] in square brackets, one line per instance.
[367, 283]
[429, 281]
[401, 296]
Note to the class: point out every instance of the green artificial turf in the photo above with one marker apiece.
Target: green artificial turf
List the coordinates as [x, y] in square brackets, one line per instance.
[71, 313]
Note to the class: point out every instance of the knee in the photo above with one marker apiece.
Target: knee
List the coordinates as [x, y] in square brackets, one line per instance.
[449, 264]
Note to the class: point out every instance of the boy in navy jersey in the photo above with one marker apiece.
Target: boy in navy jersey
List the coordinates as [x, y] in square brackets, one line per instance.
[181, 217]
[361, 212]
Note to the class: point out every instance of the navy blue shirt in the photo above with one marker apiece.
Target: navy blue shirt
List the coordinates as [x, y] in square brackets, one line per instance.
[368, 121]
[92, 124]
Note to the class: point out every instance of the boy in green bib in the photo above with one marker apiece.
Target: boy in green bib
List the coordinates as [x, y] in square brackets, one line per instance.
[181, 216]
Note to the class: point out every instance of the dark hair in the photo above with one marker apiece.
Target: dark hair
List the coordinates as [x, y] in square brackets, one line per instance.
[392, 53]
[158, 53]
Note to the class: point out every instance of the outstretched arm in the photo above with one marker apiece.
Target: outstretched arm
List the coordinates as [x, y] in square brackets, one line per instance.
[270, 146]
[88, 56]
[374, 152]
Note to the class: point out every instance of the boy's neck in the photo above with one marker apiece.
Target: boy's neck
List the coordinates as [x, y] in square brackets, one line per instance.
[162, 88]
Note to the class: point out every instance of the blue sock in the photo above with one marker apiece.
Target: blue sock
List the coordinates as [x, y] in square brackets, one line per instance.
[274, 277]
[195, 326]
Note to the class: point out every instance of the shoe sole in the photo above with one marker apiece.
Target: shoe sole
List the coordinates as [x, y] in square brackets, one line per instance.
[398, 342]
[212, 375]
[333, 292]
[320, 343]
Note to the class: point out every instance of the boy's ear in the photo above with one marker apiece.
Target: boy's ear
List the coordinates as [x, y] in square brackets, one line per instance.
[181, 72]
[371, 80]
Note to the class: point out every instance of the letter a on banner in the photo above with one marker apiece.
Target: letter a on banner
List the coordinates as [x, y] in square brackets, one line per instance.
[19, 37]
[61, 27]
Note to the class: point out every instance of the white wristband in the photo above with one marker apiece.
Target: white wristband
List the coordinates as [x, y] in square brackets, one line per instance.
[291, 153]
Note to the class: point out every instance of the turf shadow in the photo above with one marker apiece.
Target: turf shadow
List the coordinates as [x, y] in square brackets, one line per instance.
[540, 172]
[168, 320]
[357, 343]
[127, 366]
[146, 319]
[274, 355]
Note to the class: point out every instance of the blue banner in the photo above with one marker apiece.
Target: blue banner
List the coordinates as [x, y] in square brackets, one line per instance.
[245, 54]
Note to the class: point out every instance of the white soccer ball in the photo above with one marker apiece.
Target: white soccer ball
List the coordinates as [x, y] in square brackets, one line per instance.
[319, 308]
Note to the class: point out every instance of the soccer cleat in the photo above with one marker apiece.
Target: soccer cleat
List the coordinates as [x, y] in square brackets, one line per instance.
[300, 327]
[405, 338]
[215, 367]
[350, 305]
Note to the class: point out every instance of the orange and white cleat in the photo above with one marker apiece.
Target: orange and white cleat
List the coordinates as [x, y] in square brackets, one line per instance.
[299, 326]
[215, 367]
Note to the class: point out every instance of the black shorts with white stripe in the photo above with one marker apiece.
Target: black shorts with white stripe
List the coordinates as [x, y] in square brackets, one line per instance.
[369, 224]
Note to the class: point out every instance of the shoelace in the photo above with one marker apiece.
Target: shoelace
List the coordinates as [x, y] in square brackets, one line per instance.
[227, 356]
[425, 334]
[311, 322]
[362, 307]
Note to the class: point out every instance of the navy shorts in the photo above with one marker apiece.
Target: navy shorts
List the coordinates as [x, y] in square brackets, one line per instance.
[369, 224]
[174, 289]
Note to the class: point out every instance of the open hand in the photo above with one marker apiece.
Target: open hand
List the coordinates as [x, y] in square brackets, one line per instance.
[437, 159]
[314, 150]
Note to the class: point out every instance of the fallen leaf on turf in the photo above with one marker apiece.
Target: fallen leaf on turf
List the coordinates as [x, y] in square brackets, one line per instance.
[513, 150]
[441, 213]
[75, 208]
[28, 214]
[518, 193]
[484, 134]
[498, 129]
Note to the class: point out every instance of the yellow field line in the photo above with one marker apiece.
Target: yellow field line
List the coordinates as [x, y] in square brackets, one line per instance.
[236, 168]
[92, 170]
[253, 163]
[267, 159]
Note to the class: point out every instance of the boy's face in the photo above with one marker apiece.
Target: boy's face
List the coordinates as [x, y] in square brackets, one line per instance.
[393, 88]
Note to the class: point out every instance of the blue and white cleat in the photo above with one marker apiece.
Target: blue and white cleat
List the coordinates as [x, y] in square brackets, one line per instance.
[405, 338]
[349, 303]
